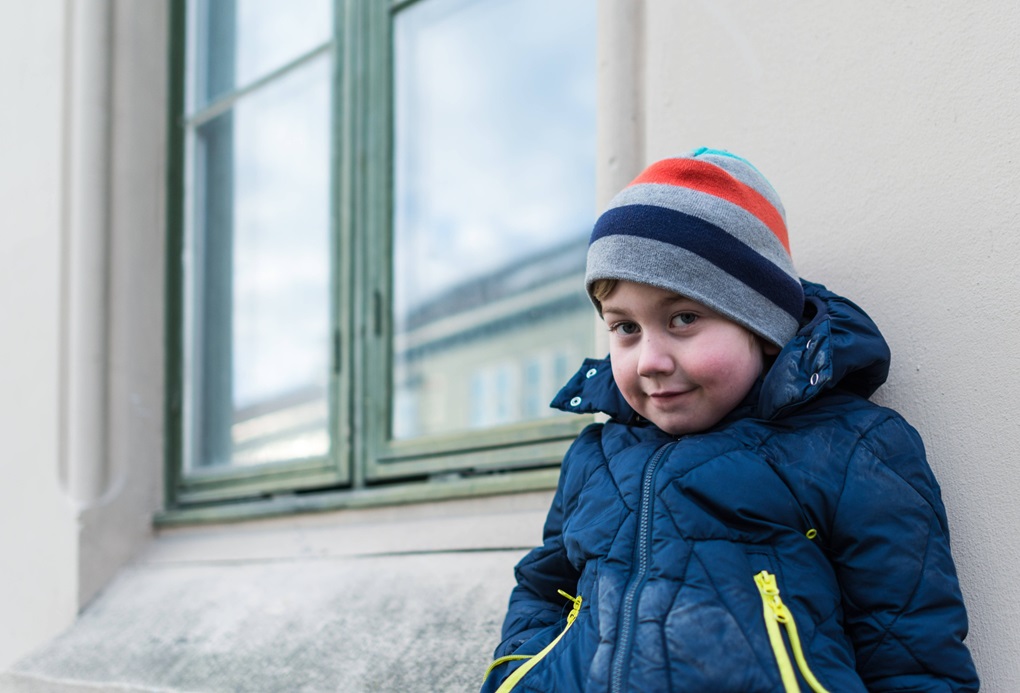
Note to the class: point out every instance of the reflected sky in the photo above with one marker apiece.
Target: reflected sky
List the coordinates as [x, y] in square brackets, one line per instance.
[259, 35]
[495, 137]
[282, 247]
[278, 187]
[271, 33]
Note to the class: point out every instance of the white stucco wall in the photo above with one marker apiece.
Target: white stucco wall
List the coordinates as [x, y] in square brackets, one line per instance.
[892, 132]
[38, 549]
[82, 252]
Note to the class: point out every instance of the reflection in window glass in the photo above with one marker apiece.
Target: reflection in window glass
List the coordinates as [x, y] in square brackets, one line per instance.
[534, 400]
[494, 200]
[259, 281]
[238, 41]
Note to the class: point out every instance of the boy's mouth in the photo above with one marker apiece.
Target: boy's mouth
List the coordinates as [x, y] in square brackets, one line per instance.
[667, 395]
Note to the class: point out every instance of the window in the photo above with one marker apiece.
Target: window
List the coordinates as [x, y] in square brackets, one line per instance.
[379, 215]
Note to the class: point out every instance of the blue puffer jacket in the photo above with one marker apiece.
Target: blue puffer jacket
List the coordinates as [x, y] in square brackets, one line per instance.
[661, 538]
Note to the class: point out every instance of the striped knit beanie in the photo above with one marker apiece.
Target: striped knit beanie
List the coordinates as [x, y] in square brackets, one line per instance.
[707, 226]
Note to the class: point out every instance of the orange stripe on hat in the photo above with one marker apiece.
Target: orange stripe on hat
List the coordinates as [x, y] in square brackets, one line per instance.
[713, 180]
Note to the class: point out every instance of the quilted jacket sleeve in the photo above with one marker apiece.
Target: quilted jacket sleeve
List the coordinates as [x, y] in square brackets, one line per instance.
[535, 603]
[904, 610]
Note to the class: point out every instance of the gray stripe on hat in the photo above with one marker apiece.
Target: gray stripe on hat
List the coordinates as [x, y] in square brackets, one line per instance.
[669, 267]
[747, 174]
[729, 217]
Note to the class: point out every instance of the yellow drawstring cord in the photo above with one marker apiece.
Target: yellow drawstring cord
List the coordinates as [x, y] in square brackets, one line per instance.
[519, 673]
[777, 612]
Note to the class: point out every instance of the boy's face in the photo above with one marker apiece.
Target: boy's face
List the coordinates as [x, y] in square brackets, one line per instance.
[679, 364]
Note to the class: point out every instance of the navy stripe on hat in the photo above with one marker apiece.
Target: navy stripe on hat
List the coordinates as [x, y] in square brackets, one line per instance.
[709, 242]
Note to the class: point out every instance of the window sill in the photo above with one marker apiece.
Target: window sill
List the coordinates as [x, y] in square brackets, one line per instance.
[293, 504]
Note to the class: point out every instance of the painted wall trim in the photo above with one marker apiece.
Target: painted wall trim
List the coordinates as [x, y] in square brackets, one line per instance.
[86, 215]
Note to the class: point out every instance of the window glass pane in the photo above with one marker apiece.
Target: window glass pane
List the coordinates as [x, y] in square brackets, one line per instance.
[236, 42]
[494, 201]
[258, 354]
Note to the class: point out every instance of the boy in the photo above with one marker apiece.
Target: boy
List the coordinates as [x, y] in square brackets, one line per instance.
[747, 520]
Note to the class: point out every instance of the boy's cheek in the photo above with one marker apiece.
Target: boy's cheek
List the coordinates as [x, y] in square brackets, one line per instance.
[627, 386]
[619, 363]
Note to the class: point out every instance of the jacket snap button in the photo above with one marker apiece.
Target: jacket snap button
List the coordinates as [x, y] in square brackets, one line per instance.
[809, 344]
[575, 401]
[591, 372]
[814, 378]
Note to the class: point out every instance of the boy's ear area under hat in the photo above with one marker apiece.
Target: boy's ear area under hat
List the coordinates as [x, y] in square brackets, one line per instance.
[708, 226]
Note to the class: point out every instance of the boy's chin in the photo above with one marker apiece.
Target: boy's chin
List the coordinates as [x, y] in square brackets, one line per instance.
[680, 427]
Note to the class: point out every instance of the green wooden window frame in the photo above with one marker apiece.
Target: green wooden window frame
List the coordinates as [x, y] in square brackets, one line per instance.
[364, 463]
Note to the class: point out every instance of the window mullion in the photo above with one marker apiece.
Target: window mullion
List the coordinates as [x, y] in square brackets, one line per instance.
[226, 102]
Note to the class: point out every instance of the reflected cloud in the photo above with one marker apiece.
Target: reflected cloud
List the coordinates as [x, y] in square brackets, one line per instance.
[495, 137]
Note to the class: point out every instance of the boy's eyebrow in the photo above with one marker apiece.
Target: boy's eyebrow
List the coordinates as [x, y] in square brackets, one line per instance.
[609, 308]
[665, 301]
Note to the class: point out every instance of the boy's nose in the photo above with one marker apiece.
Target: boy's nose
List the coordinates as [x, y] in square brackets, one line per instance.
[655, 358]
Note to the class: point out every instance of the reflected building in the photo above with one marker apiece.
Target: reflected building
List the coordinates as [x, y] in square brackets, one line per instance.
[493, 350]
[292, 426]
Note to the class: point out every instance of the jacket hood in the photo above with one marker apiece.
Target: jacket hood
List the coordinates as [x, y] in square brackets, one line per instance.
[837, 346]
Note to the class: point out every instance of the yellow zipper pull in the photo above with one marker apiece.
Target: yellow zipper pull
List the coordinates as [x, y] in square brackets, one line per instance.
[577, 606]
[515, 677]
[772, 606]
[777, 612]
[770, 596]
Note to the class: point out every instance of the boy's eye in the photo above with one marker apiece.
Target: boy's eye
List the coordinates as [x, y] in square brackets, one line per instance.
[681, 319]
[626, 328]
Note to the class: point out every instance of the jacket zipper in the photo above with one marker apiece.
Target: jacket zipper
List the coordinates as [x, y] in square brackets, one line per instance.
[514, 678]
[626, 635]
[776, 613]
